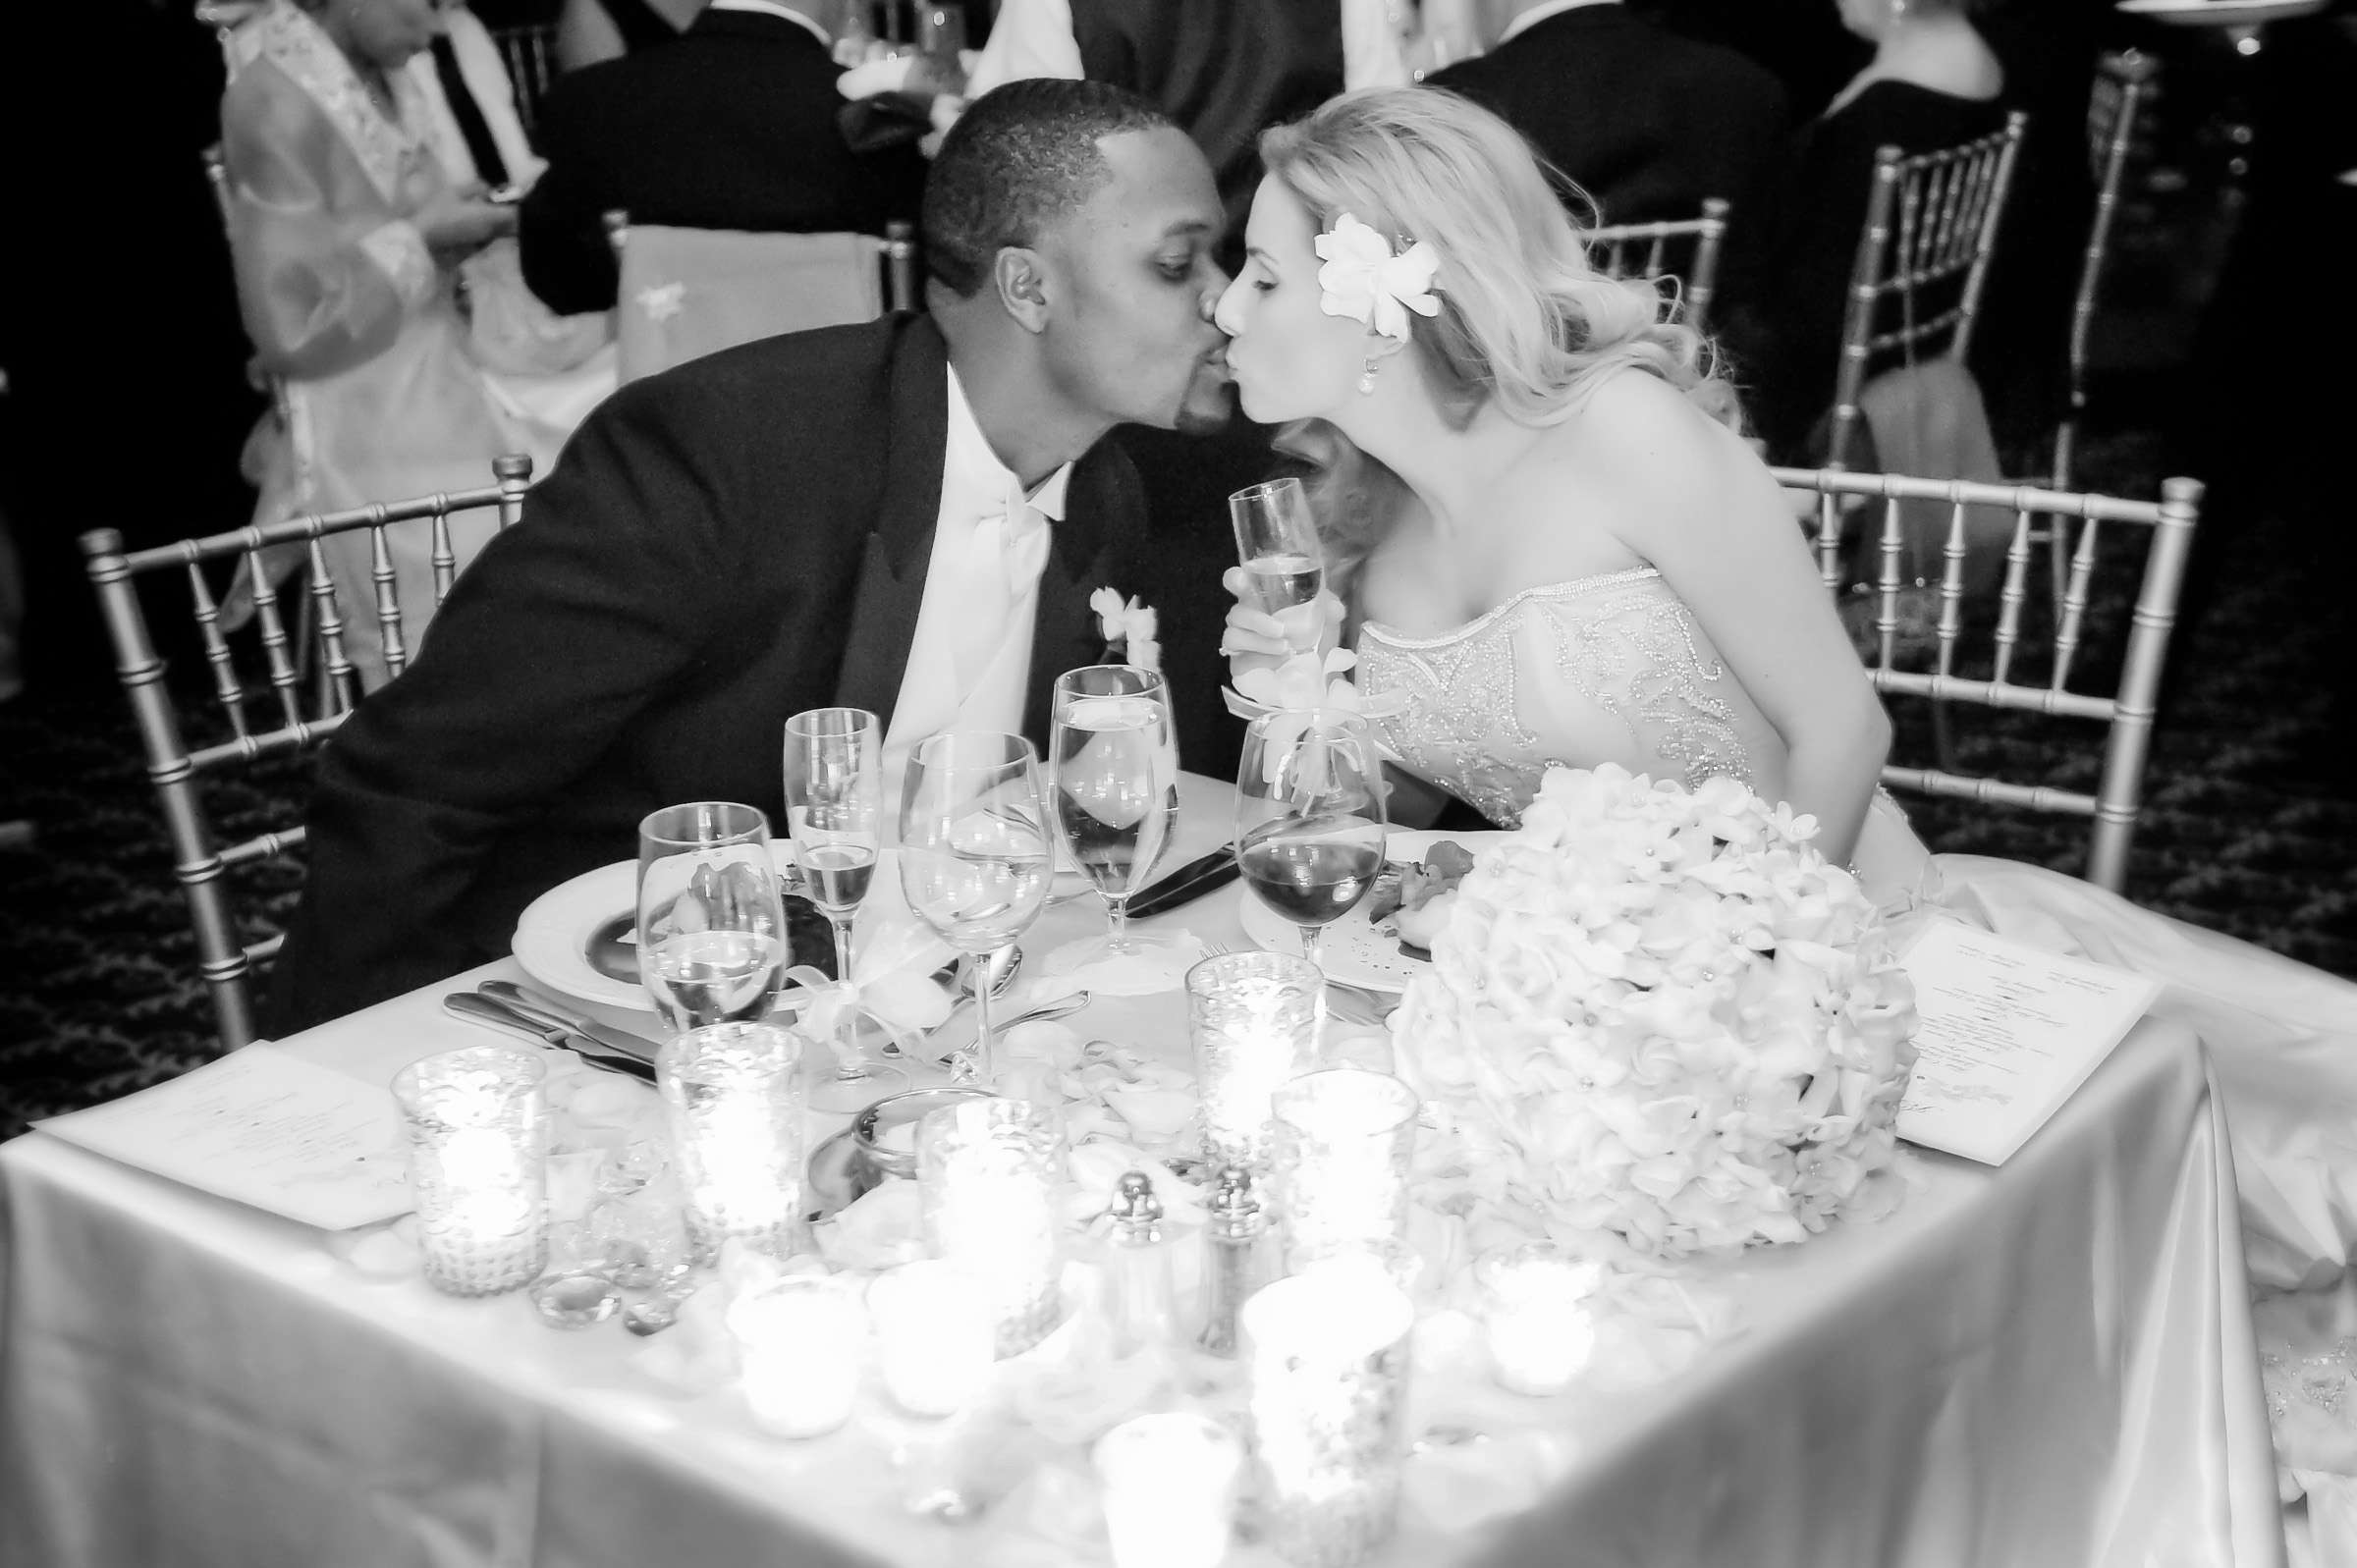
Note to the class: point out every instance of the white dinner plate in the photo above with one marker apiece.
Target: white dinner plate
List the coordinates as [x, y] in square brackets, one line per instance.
[552, 935]
[1355, 950]
[2221, 13]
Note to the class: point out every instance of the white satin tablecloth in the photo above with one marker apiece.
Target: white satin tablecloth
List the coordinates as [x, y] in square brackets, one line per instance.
[2047, 1364]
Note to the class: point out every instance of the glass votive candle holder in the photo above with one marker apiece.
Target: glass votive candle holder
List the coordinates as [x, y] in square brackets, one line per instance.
[478, 1122]
[1327, 1358]
[1536, 1312]
[735, 1127]
[990, 1179]
[800, 1342]
[1255, 1020]
[1169, 1483]
[936, 1338]
[1344, 1140]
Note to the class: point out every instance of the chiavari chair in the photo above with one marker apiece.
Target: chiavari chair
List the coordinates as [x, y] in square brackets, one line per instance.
[1932, 223]
[2019, 671]
[1684, 249]
[258, 709]
[685, 293]
[529, 52]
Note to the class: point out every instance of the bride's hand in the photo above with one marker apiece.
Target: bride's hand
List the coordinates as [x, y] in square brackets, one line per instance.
[1254, 639]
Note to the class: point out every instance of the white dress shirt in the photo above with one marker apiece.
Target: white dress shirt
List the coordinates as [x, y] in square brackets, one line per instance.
[769, 8]
[1034, 38]
[970, 660]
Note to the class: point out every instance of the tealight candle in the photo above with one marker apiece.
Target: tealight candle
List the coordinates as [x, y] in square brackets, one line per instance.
[478, 1122]
[735, 1133]
[1169, 1483]
[1328, 1356]
[1254, 1019]
[798, 1341]
[990, 1178]
[1535, 1316]
[1344, 1138]
[936, 1338]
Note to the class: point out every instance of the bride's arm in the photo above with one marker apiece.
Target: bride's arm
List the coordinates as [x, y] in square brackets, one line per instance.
[1707, 512]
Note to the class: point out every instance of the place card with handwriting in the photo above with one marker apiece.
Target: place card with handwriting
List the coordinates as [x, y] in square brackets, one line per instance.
[2006, 1034]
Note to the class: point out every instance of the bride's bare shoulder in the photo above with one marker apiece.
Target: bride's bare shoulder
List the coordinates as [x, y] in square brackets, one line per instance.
[1646, 441]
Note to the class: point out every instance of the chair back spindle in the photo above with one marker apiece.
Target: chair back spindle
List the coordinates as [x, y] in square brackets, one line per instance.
[1645, 250]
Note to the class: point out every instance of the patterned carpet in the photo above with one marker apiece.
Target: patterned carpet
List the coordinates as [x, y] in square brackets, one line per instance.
[102, 996]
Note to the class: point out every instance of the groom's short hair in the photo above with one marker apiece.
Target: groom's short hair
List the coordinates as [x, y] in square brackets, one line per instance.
[1020, 157]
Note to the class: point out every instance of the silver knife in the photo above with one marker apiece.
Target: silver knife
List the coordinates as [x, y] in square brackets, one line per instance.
[483, 1010]
[532, 1005]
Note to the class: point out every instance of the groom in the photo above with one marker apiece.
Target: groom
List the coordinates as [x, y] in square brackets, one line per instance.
[907, 515]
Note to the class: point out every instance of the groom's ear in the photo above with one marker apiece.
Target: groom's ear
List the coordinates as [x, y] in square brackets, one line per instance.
[1020, 277]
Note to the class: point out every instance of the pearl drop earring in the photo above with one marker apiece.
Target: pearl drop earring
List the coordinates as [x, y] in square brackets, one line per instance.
[1366, 378]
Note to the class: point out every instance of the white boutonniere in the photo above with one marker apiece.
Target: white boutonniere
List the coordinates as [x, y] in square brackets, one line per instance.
[1363, 280]
[1129, 627]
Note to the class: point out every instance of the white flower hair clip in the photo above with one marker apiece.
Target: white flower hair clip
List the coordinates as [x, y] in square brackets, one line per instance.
[1363, 280]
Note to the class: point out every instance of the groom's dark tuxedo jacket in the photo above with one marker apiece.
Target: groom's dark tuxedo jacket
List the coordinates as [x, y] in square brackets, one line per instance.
[722, 546]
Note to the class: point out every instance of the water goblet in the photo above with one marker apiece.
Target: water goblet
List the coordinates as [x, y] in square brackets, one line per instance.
[1113, 782]
[835, 815]
[711, 930]
[1309, 824]
[976, 854]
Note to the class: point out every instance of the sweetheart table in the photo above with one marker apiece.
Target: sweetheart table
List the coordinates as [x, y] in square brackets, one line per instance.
[2048, 1363]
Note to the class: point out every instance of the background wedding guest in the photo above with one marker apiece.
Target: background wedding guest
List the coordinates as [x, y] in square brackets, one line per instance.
[731, 126]
[592, 30]
[907, 515]
[1647, 123]
[1933, 83]
[345, 233]
[545, 371]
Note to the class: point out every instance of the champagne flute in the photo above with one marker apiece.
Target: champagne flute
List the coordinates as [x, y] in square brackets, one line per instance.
[976, 856]
[711, 930]
[1113, 782]
[1309, 826]
[1277, 543]
[835, 814]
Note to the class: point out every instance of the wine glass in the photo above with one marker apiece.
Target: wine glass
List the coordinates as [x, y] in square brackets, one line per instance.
[1113, 783]
[711, 930]
[1309, 827]
[976, 854]
[835, 814]
[1277, 543]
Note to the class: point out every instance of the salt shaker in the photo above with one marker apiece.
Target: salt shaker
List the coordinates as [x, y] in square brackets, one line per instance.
[1238, 1256]
[1139, 1296]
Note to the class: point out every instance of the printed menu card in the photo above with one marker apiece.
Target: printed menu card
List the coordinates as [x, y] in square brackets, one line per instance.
[2008, 1033]
[263, 1128]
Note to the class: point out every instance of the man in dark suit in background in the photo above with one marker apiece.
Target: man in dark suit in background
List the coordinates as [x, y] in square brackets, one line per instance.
[1645, 122]
[731, 126]
[907, 515]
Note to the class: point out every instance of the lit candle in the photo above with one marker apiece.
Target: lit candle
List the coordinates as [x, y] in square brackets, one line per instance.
[798, 1340]
[990, 1178]
[735, 1133]
[1328, 1358]
[1535, 1316]
[936, 1338]
[1344, 1138]
[477, 1123]
[1254, 1018]
[1169, 1483]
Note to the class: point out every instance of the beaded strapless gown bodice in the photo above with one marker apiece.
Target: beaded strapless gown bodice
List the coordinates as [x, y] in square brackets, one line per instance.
[1600, 668]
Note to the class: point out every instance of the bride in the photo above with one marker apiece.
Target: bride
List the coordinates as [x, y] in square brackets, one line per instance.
[1550, 546]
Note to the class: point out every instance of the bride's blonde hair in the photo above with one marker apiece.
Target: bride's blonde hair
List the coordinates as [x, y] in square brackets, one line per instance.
[1527, 322]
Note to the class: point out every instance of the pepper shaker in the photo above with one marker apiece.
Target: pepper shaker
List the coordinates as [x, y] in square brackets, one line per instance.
[1238, 1258]
[1140, 1297]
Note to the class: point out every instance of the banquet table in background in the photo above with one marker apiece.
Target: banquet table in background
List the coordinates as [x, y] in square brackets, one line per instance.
[2051, 1363]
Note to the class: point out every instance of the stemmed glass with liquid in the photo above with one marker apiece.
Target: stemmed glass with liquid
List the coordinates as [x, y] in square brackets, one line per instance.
[977, 853]
[1114, 784]
[1309, 824]
[1277, 543]
[711, 930]
[835, 815]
